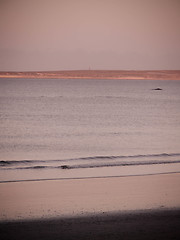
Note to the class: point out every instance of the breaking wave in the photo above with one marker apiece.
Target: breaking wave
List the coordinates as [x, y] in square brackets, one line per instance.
[92, 162]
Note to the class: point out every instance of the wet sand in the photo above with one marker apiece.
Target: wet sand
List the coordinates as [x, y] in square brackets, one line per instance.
[77, 197]
[137, 207]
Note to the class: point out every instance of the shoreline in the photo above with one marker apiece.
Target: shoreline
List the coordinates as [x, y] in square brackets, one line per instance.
[97, 74]
[84, 178]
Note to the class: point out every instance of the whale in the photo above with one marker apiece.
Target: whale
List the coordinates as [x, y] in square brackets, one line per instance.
[157, 89]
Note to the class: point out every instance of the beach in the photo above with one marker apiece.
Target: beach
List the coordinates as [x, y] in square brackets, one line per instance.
[95, 208]
[97, 74]
[82, 161]
[148, 225]
[89, 120]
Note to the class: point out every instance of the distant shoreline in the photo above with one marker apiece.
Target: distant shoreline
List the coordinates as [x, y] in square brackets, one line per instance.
[97, 74]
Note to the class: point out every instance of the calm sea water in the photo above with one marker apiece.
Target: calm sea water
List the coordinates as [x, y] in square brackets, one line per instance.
[52, 128]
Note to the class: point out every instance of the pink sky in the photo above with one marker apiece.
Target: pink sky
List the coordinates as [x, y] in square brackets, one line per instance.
[78, 34]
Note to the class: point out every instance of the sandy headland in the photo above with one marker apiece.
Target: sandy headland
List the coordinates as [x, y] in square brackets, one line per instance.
[97, 74]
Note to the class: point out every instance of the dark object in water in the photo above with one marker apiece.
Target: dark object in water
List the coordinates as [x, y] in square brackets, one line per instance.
[65, 167]
[157, 89]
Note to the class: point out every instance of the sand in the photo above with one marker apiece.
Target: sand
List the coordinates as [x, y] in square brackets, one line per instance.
[98, 74]
[146, 225]
[75, 197]
[92, 208]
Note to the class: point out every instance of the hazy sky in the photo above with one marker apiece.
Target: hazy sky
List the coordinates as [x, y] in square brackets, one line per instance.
[100, 34]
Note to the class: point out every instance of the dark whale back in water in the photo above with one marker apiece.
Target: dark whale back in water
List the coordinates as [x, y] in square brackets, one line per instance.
[157, 89]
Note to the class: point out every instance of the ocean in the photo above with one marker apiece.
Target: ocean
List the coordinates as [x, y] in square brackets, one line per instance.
[79, 128]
